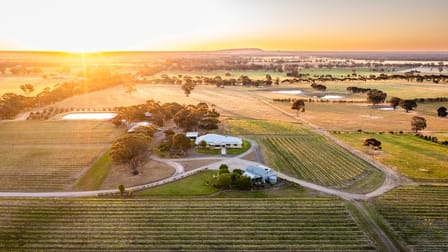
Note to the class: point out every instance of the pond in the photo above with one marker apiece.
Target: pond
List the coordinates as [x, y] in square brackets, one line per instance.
[89, 116]
[287, 92]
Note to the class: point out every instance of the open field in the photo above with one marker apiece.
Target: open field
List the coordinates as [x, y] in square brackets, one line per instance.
[352, 117]
[419, 214]
[179, 224]
[11, 83]
[150, 172]
[261, 127]
[398, 88]
[412, 156]
[227, 100]
[49, 155]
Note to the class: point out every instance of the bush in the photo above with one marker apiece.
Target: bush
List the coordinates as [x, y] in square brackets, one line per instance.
[121, 189]
[223, 169]
[243, 183]
[224, 181]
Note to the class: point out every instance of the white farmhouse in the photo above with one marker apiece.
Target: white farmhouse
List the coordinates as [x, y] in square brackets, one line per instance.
[215, 141]
[260, 175]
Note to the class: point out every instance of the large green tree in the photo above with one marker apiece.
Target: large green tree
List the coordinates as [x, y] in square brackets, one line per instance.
[376, 96]
[408, 105]
[181, 142]
[394, 102]
[130, 149]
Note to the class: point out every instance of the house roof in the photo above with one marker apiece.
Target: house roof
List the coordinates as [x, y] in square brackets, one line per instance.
[215, 139]
[258, 170]
[192, 134]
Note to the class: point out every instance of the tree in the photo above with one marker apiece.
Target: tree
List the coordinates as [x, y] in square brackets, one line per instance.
[27, 88]
[376, 96]
[298, 105]
[442, 112]
[373, 143]
[181, 142]
[145, 130]
[418, 123]
[224, 181]
[268, 80]
[408, 105]
[121, 189]
[130, 149]
[394, 102]
[223, 168]
[188, 87]
[203, 144]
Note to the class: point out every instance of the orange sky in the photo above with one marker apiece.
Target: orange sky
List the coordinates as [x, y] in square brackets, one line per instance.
[102, 25]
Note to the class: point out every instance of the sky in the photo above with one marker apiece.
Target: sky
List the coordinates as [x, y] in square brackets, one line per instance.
[181, 25]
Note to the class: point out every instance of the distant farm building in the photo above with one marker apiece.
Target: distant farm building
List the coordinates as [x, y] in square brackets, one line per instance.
[192, 135]
[215, 141]
[261, 175]
[134, 126]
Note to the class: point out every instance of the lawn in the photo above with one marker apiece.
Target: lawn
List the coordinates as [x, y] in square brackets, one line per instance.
[50, 155]
[412, 156]
[190, 186]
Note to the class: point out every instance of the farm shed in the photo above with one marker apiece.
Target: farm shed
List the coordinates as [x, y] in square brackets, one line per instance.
[260, 175]
[134, 126]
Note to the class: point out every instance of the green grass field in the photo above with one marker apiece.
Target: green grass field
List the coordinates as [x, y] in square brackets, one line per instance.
[262, 127]
[195, 185]
[49, 155]
[419, 214]
[412, 156]
[207, 224]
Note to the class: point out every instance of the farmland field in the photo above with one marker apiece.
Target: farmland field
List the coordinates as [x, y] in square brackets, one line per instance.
[11, 83]
[49, 155]
[419, 214]
[352, 117]
[261, 127]
[318, 160]
[180, 224]
[414, 157]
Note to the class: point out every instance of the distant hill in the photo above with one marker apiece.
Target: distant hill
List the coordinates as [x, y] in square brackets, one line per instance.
[241, 51]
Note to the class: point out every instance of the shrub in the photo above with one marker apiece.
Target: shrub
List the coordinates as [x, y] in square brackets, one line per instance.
[224, 181]
[223, 168]
[121, 189]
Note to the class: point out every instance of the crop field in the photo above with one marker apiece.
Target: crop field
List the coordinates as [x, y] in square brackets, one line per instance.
[294, 224]
[49, 155]
[419, 214]
[318, 160]
[261, 127]
[412, 156]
